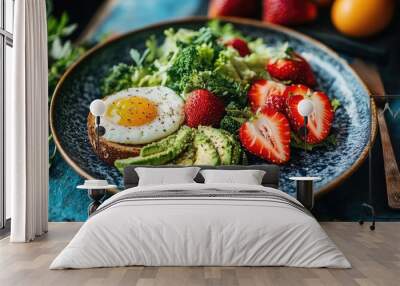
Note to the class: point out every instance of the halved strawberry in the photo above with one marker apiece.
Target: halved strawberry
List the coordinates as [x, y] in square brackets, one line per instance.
[239, 45]
[267, 136]
[267, 93]
[319, 121]
[290, 66]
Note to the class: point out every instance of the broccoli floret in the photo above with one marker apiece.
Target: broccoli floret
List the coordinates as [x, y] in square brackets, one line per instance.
[235, 110]
[118, 79]
[235, 117]
[226, 87]
[231, 124]
[207, 53]
[188, 61]
[222, 86]
[192, 69]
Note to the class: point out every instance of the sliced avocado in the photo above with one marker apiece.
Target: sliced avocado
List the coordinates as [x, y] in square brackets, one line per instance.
[155, 159]
[187, 157]
[157, 147]
[221, 142]
[237, 153]
[206, 154]
[183, 138]
[236, 149]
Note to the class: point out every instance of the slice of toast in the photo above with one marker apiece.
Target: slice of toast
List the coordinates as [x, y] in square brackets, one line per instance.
[109, 151]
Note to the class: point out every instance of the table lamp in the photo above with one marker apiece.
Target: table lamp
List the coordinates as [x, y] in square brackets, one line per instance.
[305, 108]
[98, 108]
[305, 193]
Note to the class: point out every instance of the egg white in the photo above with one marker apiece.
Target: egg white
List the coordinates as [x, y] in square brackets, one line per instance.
[170, 116]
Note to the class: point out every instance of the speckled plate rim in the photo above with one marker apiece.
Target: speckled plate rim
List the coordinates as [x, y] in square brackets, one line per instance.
[188, 20]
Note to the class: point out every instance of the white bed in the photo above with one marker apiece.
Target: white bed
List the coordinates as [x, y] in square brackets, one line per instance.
[203, 225]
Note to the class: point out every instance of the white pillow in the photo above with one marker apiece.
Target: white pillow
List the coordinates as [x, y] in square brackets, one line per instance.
[248, 177]
[166, 176]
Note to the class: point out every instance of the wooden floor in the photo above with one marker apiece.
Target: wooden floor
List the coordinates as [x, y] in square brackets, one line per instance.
[375, 257]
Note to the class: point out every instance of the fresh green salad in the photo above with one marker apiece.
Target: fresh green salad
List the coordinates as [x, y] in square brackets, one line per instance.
[189, 60]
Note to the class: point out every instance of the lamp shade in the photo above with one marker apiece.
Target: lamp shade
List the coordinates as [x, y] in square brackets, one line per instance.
[305, 107]
[97, 107]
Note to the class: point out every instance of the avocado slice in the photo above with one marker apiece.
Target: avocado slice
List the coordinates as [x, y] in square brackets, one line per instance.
[187, 157]
[206, 154]
[236, 153]
[221, 142]
[236, 148]
[183, 139]
[157, 147]
[154, 159]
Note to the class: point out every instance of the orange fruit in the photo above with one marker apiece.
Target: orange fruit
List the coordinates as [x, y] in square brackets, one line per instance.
[361, 18]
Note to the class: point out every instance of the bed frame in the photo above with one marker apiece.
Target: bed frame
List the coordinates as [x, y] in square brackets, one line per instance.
[271, 178]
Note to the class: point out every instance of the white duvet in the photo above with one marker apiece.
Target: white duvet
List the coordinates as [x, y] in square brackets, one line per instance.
[190, 231]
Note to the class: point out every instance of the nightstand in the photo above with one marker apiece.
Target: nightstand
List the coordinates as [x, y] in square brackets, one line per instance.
[305, 192]
[96, 190]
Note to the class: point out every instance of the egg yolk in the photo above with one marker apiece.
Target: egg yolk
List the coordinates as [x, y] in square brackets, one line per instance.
[132, 111]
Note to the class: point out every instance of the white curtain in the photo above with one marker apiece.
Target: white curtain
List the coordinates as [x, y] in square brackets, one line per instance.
[27, 124]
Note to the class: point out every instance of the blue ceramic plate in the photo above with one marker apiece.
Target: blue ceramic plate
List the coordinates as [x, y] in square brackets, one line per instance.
[353, 122]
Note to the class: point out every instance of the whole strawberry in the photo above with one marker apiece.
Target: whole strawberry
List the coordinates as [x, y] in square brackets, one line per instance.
[289, 66]
[202, 107]
[239, 45]
[237, 8]
[289, 12]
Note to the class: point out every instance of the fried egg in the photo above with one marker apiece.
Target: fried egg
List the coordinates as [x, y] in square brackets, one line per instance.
[142, 115]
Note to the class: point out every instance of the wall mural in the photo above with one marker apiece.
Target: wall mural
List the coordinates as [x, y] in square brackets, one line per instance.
[202, 93]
